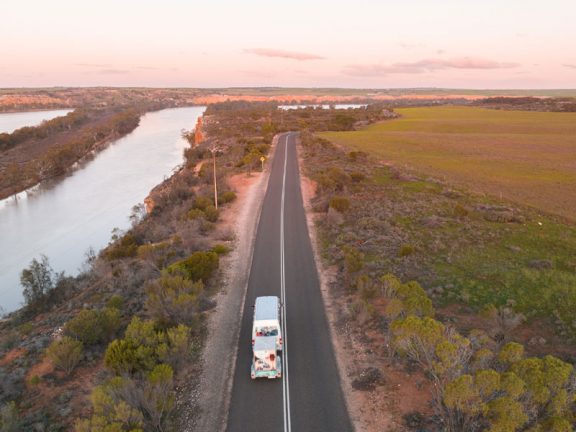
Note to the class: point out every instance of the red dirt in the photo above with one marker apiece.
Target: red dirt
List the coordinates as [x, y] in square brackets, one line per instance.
[11, 356]
[537, 335]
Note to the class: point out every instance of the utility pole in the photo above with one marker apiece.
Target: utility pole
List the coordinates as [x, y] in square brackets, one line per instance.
[213, 150]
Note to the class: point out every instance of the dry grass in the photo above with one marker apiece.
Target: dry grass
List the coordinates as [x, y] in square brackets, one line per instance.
[526, 157]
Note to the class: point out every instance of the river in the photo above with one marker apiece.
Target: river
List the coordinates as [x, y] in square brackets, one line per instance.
[9, 122]
[65, 219]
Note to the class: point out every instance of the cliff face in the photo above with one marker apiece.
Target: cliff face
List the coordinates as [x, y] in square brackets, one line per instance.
[198, 135]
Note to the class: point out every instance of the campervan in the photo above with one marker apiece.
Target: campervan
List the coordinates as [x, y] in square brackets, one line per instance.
[267, 320]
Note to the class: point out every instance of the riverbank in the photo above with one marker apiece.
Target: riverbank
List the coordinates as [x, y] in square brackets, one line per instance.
[54, 148]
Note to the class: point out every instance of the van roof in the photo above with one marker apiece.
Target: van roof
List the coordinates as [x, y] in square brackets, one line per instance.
[265, 343]
[266, 308]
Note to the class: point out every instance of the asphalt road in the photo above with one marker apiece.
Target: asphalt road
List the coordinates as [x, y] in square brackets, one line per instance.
[308, 397]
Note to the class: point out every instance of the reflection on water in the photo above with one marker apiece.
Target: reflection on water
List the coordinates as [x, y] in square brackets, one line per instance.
[64, 220]
[9, 122]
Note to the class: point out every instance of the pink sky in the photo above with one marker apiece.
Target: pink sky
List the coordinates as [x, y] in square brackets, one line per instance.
[361, 44]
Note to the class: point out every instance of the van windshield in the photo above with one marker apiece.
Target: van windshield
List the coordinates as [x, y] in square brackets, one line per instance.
[267, 331]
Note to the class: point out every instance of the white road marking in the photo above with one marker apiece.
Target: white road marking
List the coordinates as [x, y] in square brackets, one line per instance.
[285, 383]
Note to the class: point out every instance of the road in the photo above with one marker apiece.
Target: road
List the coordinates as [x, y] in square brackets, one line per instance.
[309, 396]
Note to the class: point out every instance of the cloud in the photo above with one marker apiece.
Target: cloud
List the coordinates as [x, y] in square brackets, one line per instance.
[424, 66]
[294, 55]
[102, 65]
[112, 71]
[569, 66]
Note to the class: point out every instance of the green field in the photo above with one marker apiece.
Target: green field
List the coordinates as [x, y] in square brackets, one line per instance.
[526, 157]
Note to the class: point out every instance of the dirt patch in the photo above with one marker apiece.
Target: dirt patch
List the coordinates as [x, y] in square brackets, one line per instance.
[537, 335]
[210, 397]
[11, 356]
[43, 367]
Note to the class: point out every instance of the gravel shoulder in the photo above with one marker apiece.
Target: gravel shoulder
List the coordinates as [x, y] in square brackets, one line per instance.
[212, 394]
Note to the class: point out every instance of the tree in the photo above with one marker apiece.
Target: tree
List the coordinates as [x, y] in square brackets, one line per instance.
[65, 353]
[38, 279]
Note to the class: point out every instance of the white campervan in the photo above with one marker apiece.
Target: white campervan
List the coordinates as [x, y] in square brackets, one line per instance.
[267, 319]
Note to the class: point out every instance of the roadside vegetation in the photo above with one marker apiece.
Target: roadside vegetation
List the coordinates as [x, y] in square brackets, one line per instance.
[469, 299]
[524, 157]
[106, 349]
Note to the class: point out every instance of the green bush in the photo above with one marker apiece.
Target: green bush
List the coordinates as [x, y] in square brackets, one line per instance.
[126, 247]
[125, 356]
[65, 353]
[198, 266]
[341, 204]
[406, 250]
[115, 302]
[226, 197]
[173, 299]
[202, 202]
[221, 249]
[144, 346]
[211, 213]
[195, 214]
[92, 326]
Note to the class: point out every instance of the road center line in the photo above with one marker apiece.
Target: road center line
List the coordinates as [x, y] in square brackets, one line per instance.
[285, 383]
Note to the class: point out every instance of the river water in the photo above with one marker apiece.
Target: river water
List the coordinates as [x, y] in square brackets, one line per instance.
[9, 122]
[63, 220]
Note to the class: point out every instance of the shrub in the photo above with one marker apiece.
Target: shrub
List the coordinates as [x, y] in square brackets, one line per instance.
[34, 381]
[173, 299]
[9, 418]
[460, 211]
[125, 356]
[195, 214]
[115, 302]
[92, 326]
[198, 266]
[221, 249]
[202, 202]
[211, 213]
[226, 197]
[65, 353]
[125, 247]
[357, 177]
[406, 250]
[144, 346]
[353, 260]
[340, 204]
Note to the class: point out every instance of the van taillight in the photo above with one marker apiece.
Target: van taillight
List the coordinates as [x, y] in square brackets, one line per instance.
[280, 341]
[252, 341]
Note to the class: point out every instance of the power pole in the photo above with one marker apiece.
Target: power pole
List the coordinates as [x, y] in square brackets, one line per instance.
[214, 149]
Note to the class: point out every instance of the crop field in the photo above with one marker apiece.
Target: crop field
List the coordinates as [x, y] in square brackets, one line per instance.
[525, 157]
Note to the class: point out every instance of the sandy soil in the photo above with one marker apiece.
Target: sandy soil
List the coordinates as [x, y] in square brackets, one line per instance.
[212, 395]
[383, 408]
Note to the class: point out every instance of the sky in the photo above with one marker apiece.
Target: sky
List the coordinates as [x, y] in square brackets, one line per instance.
[300, 43]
